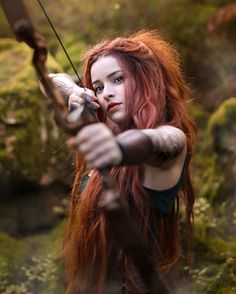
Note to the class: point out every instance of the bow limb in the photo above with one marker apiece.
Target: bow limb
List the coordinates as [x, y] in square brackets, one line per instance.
[122, 226]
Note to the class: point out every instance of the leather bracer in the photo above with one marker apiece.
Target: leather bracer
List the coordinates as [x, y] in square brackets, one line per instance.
[136, 147]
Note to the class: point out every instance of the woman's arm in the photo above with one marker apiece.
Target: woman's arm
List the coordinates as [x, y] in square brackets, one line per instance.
[163, 150]
[169, 142]
[157, 147]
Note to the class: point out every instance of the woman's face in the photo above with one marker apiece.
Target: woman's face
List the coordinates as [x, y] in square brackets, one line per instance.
[109, 85]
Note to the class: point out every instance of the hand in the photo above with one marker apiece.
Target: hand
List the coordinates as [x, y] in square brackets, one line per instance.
[77, 98]
[98, 145]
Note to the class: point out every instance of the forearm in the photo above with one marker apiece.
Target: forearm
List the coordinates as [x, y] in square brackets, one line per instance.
[153, 146]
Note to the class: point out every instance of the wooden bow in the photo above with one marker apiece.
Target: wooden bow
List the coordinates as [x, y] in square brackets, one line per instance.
[122, 226]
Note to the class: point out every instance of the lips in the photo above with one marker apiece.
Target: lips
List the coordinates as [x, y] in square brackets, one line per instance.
[112, 105]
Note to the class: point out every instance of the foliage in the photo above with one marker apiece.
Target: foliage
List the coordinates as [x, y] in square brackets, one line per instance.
[219, 279]
[225, 115]
[215, 249]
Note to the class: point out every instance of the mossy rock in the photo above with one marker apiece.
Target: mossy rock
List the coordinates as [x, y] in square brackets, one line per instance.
[215, 161]
[32, 264]
[199, 114]
[214, 182]
[29, 138]
[222, 126]
[222, 129]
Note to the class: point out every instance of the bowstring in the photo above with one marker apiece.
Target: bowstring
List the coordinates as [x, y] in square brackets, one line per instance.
[63, 47]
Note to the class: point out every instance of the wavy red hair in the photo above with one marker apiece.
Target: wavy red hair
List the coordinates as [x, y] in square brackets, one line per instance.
[156, 94]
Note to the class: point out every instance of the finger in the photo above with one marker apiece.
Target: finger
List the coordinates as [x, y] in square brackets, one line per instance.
[85, 144]
[95, 104]
[91, 141]
[76, 98]
[96, 152]
[101, 162]
[85, 93]
[72, 143]
[92, 135]
[97, 146]
[73, 106]
[96, 132]
[80, 99]
[76, 101]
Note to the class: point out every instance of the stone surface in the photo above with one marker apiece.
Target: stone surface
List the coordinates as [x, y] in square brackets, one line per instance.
[222, 129]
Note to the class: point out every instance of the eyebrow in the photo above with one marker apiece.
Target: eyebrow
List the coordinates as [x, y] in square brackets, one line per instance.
[110, 75]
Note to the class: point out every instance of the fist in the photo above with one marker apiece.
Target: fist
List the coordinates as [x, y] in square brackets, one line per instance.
[98, 146]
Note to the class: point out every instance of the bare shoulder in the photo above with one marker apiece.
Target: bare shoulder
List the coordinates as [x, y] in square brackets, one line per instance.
[165, 175]
[169, 146]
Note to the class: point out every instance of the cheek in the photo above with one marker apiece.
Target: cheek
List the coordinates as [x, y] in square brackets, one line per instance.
[122, 95]
[102, 103]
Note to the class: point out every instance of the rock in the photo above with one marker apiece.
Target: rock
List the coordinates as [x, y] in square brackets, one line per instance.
[222, 130]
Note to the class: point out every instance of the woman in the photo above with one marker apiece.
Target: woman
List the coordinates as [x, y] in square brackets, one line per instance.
[146, 134]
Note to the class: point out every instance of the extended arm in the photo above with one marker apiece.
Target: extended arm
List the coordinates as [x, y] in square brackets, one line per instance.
[157, 147]
[169, 143]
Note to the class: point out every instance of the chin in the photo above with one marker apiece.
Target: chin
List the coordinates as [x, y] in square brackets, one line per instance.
[117, 118]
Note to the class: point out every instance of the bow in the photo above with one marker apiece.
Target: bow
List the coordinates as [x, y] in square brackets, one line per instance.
[123, 229]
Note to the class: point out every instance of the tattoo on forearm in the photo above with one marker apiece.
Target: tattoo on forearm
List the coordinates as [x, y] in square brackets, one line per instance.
[170, 142]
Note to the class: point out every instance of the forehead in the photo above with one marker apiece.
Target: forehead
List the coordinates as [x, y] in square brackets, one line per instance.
[104, 66]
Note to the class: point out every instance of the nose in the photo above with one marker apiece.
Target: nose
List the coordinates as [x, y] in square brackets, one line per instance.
[108, 92]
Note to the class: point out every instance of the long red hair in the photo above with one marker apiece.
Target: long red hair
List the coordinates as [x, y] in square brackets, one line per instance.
[156, 94]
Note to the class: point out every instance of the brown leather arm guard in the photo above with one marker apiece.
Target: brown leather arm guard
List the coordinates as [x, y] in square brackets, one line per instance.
[136, 147]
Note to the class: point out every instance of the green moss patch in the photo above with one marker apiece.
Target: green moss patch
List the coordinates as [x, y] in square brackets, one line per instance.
[29, 136]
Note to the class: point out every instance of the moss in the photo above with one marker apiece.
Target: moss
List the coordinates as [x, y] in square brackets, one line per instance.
[215, 249]
[212, 169]
[215, 278]
[199, 114]
[27, 144]
[221, 135]
[224, 116]
[214, 264]
[10, 255]
[207, 179]
[221, 247]
[32, 264]
[75, 49]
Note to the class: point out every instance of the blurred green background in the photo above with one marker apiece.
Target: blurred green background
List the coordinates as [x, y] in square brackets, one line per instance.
[36, 169]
